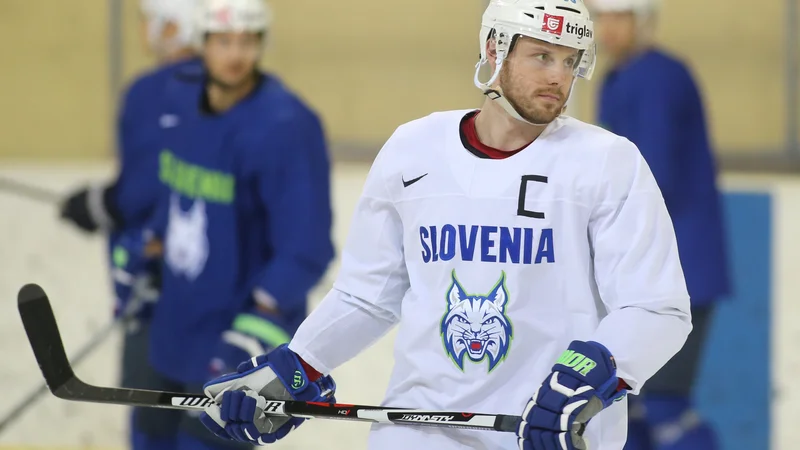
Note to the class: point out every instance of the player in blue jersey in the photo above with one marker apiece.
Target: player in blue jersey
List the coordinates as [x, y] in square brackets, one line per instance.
[121, 207]
[650, 97]
[244, 213]
[127, 201]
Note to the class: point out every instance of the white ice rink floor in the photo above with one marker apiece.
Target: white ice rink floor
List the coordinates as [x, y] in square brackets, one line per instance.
[37, 247]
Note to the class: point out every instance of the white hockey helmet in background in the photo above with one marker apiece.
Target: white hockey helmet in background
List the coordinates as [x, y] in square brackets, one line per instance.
[638, 7]
[644, 13]
[562, 22]
[161, 12]
[222, 16]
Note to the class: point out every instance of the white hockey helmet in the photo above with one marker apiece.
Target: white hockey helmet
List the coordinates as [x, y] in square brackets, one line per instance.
[562, 22]
[220, 16]
[638, 7]
[161, 12]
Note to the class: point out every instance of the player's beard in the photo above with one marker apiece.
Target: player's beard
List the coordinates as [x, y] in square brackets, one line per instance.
[525, 102]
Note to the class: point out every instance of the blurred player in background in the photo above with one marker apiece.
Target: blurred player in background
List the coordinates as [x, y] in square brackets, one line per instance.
[650, 97]
[527, 257]
[120, 208]
[128, 201]
[244, 214]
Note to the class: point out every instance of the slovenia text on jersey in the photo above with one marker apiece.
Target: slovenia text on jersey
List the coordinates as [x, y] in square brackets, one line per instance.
[486, 243]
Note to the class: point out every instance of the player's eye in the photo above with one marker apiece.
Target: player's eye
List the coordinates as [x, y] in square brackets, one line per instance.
[542, 57]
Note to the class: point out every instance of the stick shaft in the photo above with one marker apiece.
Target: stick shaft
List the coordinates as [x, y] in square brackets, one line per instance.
[29, 191]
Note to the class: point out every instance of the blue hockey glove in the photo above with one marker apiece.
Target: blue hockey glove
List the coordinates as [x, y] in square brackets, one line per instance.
[240, 398]
[583, 383]
[135, 274]
[252, 334]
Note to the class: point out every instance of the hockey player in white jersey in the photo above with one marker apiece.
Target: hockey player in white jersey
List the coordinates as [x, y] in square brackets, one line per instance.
[526, 258]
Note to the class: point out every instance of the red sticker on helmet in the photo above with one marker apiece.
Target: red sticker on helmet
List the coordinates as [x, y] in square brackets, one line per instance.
[223, 16]
[553, 24]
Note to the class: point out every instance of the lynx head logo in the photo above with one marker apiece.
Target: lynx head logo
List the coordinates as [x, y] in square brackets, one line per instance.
[186, 241]
[476, 326]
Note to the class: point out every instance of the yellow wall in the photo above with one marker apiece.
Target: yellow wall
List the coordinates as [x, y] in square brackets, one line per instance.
[53, 80]
[369, 65]
[738, 56]
[365, 68]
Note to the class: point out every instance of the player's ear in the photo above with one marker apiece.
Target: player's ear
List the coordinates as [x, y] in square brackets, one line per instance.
[169, 31]
[491, 50]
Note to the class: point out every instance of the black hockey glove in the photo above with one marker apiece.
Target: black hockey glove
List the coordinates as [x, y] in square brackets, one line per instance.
[91, 208]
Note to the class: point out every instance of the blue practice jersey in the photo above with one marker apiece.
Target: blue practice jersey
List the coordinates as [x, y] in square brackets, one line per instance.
[653, 101]
[245, 204]
[139, 126]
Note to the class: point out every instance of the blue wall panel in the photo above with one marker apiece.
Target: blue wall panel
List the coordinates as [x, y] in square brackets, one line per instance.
[733, 391]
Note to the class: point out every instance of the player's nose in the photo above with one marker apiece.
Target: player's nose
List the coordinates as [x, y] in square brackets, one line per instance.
[558, 76]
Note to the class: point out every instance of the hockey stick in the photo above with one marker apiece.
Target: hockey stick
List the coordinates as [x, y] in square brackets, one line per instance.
[42, 329]
[29, 191]
[17, 411]
[87, 349]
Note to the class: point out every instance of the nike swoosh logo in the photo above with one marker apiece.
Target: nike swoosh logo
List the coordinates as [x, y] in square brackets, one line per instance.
[168, 121]
[410, 182]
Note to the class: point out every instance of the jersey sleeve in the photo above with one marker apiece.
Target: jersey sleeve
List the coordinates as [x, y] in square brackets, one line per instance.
[131, 162]
[158, 218]
[299, 215]
[366, 297]
[637, 269]
[126, 118]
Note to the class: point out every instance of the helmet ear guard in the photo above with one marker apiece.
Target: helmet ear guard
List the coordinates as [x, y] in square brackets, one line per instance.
[503, 46]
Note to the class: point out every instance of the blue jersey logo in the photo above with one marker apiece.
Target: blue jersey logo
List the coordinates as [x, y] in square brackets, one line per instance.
[476, 326]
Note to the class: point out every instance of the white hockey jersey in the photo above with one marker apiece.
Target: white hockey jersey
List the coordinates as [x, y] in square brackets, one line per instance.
[490, 268]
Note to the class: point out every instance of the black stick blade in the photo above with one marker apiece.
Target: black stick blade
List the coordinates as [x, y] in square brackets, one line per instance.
[42, 329]
[45, 338]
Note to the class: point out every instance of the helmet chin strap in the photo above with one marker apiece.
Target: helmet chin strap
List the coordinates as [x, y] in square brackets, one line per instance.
[496, 93]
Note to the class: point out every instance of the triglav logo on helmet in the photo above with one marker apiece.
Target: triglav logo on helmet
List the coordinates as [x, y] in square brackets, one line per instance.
[553, 24]
[580, 31]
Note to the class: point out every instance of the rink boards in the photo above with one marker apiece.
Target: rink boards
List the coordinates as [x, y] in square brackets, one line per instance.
[746, 380]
